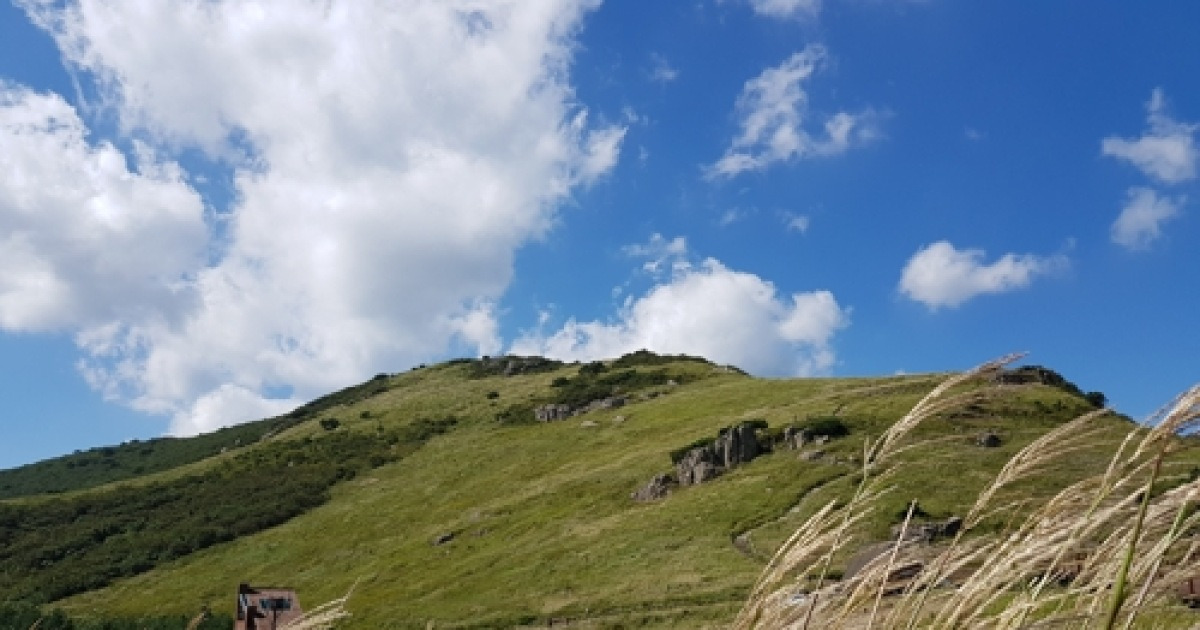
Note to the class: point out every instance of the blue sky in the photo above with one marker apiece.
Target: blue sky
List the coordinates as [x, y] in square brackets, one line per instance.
[213, 211]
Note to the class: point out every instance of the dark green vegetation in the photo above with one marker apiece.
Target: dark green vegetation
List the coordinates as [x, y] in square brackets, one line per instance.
[62, 546]
[541, 521]
[98, 466]
[593, 385]
[19, 616]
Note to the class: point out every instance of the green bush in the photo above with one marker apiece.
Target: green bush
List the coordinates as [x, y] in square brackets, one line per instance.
[647, 358]
[1096, 399]
[330, 424]
[828, 426]
[759, 424]
[518, 414]
[593, 368]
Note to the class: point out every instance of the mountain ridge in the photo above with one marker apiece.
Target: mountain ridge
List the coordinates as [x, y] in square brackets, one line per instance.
[539, 516]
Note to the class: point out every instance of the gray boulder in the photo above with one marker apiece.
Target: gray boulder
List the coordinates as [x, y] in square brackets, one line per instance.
[737, 445]
[697, 466]
[988, 440]
[929, 532]
[552, 412]
[657, 488]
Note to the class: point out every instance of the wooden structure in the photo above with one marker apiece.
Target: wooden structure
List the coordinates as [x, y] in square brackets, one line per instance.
[1189, 591]
[265, 607]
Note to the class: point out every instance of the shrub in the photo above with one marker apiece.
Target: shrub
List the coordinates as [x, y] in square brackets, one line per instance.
[645, 357]
[521, 413]
[759, 424]
[330, 424]
[493, 395]
[593, 368]
[828, 426]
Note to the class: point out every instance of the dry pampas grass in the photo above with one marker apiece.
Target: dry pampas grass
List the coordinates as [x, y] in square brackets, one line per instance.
[1102, 553]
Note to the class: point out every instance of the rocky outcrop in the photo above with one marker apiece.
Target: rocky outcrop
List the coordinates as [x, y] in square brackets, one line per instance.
[736, 445]
[928, 532]
[552, 412]
[733, 446]
[657, 488]
[557, 411]
[811, 455]
[697, 466]
[988, 439]
[612, 402]
[795, 438]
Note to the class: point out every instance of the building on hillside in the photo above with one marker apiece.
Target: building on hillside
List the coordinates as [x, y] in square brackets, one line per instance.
[265, 607]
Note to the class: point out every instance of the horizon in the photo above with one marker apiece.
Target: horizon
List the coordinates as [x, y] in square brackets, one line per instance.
[213, 213]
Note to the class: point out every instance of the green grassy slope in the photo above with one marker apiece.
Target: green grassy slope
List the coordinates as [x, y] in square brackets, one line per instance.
[542, 521]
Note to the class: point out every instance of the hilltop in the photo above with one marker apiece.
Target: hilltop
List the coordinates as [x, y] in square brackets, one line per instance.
[499, 491]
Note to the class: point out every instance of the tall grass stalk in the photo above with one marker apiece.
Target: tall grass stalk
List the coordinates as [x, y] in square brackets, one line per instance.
[1099, 553]
[323, 617]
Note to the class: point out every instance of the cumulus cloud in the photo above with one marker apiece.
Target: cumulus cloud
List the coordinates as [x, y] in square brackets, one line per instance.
[787, 9]
[389, 158]
[1140, 222]
[940, 275]
[84, 235]
[710, 310]
[1166, 151]
[776, 123]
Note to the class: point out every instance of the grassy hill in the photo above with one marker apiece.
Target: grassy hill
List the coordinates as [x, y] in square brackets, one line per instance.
[439, 498]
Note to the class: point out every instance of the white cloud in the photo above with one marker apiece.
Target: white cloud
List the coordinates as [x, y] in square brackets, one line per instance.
[1166, 151]
[662, 255]
[661, 70]
[709, 310]
[787, 9]
[83, 235]
[389, 158]
[941, 275]
[733, 215]
[775, 120]
[1140, 223]
[795, 222]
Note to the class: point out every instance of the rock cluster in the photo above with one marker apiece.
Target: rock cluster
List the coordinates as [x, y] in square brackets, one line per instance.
[928, 532]
[795, 438]
[657, 488]
[988, 439]
[556, 411]
[736, 445]
[733, 446]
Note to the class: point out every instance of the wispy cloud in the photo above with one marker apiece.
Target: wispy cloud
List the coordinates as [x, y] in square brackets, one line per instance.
[776, 124]
[787, 9]
[941, 275]
[1141, 220]
[1166, 151]
[660, 255]
[661, 70]
[795, 222]
[734, 215]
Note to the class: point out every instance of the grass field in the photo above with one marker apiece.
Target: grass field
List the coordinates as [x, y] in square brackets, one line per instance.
[543, 527]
